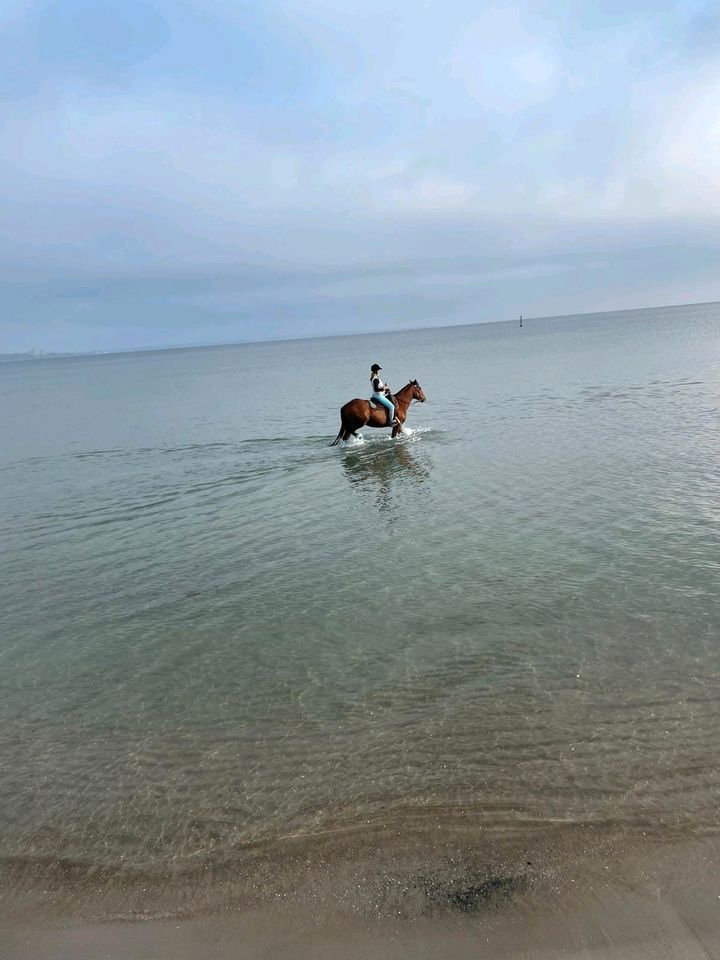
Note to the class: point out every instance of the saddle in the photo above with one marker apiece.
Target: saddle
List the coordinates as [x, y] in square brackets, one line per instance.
[374, 404]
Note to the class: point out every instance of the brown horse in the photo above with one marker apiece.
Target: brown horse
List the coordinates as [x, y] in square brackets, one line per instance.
[358, 413]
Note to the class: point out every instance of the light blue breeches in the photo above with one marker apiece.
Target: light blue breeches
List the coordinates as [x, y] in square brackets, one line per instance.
[381, 398]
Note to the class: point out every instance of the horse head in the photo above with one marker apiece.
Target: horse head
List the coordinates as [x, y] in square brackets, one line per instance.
[417, 391]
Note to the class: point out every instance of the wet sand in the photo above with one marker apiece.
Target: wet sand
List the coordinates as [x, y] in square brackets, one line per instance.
[622, 896]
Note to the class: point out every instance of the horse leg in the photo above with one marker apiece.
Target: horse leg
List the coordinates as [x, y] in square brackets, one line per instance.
[351, 420]
[397, 429]
[353, 425]
[345, 432]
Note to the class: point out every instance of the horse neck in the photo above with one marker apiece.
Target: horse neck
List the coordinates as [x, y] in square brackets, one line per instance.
[404, 396]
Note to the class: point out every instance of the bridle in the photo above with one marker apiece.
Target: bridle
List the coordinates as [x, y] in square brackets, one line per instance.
[415, 398]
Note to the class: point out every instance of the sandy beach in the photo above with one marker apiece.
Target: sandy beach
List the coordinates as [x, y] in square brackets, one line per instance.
[625, 898]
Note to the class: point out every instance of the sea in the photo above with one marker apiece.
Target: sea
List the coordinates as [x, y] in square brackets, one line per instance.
[240, 666]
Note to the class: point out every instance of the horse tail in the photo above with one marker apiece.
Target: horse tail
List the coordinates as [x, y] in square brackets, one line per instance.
[340, 436]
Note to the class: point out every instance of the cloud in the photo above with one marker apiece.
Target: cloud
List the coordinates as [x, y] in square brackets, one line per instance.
[505, 64]
[686, 149]
[224, 160]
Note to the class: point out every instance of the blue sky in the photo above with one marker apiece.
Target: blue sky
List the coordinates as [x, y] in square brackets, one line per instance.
[178, 171]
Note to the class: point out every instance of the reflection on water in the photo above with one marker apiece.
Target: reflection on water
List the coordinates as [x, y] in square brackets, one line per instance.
[387, 469]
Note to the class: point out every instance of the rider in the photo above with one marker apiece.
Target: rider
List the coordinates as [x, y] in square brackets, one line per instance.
[381, 393]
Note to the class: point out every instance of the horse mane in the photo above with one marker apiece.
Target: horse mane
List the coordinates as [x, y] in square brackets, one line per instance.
[409, 384]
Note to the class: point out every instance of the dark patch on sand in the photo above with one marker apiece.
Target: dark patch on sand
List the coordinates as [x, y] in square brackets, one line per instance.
[445, 888]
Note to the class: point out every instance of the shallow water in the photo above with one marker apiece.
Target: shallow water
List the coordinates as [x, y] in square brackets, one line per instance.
[218, 630]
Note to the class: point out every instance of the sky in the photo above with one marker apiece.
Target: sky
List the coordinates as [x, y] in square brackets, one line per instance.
[199, 171]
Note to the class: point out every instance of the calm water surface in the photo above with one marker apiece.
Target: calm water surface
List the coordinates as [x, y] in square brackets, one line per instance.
[215, 628]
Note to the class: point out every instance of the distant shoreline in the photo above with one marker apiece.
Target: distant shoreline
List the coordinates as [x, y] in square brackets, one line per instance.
[35, 355]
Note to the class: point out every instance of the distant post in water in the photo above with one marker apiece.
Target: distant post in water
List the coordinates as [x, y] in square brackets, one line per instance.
[521, 320]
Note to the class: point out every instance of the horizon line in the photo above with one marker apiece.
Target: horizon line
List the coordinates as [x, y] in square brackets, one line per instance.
[35, 354]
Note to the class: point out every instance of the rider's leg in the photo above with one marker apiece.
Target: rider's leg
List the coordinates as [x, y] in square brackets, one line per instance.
[390, 407]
